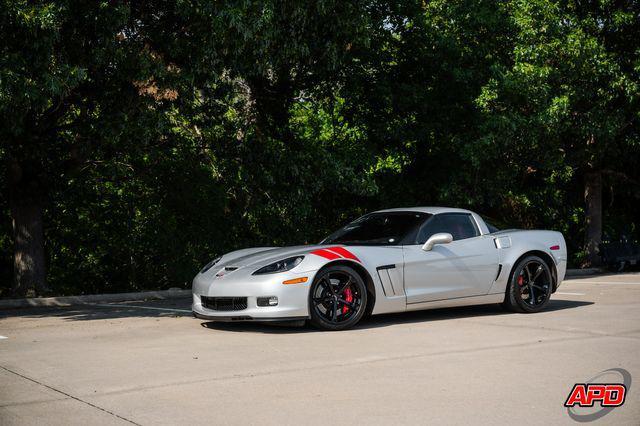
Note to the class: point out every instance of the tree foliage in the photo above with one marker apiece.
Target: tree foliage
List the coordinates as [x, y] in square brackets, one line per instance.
[145, 138]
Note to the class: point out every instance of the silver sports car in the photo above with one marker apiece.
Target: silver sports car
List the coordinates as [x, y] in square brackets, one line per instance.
[387, 261]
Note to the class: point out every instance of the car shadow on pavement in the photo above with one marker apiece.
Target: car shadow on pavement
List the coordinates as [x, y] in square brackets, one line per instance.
[182, 308]
[460, 312]
[385, 320]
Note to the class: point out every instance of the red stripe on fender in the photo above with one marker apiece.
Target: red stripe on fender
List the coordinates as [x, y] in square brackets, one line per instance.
[326, 254]
[555, 247]
[344, 253]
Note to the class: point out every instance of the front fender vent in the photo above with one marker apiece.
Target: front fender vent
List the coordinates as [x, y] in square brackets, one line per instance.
[390, 280]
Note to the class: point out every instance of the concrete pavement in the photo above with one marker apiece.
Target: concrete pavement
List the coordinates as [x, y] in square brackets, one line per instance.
[152, 363]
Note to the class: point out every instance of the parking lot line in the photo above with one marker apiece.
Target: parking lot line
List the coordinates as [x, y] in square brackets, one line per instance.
[67, 395]
[3, 337]
[122, 305]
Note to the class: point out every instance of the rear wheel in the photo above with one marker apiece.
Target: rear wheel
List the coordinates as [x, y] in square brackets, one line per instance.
[337, 299]
[530, 286]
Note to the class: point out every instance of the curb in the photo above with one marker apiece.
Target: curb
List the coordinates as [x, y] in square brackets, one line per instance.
[583, 272]
[92, 298]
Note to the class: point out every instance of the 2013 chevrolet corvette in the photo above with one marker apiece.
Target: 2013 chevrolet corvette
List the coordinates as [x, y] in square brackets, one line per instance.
[387, 261]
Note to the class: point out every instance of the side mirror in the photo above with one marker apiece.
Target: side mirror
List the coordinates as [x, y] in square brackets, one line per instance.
[440, 238]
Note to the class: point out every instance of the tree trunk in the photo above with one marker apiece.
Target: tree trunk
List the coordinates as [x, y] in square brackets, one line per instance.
[593, 216]
[26, 212]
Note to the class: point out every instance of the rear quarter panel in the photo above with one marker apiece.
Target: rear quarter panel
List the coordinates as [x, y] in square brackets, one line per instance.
[512, 245]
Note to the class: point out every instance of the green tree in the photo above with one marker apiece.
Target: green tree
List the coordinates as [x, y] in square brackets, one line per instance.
[140, 139]
[414, 95]
[282, 62]
[74, 77]
[104, 103]
[566, 108]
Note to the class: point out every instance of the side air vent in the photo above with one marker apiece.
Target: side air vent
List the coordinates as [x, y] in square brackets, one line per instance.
[391, 282]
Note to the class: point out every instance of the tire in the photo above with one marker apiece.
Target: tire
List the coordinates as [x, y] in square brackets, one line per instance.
[530, 286]
[337, 298]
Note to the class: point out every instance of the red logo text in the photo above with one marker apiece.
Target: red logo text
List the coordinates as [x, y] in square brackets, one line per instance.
[586, 394]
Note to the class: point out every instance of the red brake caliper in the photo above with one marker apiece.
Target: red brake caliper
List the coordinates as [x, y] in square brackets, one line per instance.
[520, 280]
[348, 297]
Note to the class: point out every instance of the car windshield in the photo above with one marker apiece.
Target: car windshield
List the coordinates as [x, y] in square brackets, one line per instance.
[378, 229]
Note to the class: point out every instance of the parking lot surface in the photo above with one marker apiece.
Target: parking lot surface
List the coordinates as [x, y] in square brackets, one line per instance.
[152, 363]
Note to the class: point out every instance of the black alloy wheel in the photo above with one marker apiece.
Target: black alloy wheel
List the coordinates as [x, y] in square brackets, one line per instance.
[337, 298]
[530, 286]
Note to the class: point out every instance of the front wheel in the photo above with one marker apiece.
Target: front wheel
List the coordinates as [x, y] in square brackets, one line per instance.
[530, 286]
[337, 299]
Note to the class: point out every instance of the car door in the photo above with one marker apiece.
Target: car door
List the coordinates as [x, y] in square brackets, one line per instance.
[465, 267]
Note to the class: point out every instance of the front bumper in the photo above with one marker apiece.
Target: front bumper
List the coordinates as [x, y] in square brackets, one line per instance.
[239, 318]
[292, 298]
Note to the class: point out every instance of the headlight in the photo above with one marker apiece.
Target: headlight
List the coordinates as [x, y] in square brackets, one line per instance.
[210, 264]
[280, 266]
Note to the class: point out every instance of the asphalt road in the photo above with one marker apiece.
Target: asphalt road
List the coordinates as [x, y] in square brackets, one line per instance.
[152, 363]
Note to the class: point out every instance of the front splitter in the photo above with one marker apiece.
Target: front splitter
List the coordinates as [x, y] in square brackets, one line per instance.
[247, 318]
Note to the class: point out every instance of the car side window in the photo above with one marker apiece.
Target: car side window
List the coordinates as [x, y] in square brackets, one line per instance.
[459, 225]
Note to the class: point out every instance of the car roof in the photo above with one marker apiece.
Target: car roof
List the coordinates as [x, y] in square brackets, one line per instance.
[431, 210]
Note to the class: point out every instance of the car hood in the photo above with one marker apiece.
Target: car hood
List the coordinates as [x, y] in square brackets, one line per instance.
[263, 256]
[244, 262]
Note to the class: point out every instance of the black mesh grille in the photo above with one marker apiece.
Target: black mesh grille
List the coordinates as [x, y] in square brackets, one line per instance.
[224, 303]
